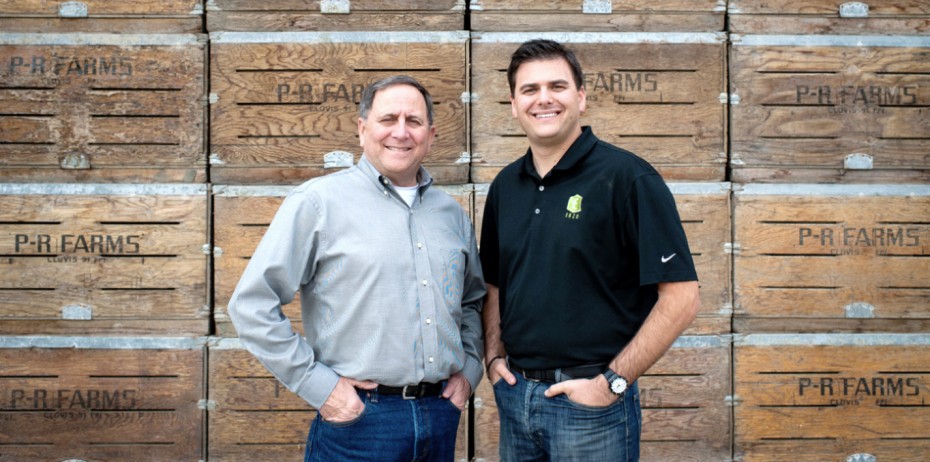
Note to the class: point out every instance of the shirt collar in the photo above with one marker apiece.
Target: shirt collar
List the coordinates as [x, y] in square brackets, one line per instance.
[575, 153]
[424, 179]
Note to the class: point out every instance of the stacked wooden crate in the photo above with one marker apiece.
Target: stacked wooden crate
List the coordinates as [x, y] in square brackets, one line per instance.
[104, 230]
[286, 80]
[829, 131]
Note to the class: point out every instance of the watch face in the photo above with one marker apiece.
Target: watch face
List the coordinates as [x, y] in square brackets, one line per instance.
[618, 385]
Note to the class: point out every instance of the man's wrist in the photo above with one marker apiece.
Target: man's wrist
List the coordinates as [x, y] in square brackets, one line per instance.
[487, 367]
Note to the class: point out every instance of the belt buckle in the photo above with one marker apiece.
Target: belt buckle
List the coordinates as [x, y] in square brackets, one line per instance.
[531, 379]
[414, 388]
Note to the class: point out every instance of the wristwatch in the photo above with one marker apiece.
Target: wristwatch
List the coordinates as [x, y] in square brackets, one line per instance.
[617, 384]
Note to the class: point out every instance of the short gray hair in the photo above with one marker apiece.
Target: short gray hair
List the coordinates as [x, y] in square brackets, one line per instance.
[368, 95]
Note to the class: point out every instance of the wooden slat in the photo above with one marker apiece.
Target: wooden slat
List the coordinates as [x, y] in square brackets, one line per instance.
[827, 7]
[849, 393]
[811, 253]
[103, 7]
[101, 403]
[275, 112]
[365, 15]
[131, 103]
[654, 95]
[809, 106]
[624, 16]
[123, 253]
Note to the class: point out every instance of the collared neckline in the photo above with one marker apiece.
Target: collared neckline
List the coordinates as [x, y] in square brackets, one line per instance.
[424, 179]
[579, 149]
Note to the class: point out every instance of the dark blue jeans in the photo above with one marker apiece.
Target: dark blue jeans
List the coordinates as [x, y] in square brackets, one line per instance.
[389, 429]
[536, 428]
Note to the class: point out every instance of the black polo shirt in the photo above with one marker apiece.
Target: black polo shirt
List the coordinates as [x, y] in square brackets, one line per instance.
[577, 255]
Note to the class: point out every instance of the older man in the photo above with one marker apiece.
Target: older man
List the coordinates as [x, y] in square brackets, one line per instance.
[390, 289]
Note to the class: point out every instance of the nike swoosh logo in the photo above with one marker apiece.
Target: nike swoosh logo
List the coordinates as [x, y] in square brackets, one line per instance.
[666, 259]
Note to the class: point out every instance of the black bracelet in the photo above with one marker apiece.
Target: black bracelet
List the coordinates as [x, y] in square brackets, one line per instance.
[487, 368]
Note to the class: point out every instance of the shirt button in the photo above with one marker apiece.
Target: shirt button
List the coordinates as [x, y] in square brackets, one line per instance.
[419, 245]
[537, 211]
[424, 282]
[429, 321]
[430, 359]
[541, 187]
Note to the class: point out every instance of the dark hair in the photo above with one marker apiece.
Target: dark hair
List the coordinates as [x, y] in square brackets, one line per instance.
[539, 50]
[368, 95]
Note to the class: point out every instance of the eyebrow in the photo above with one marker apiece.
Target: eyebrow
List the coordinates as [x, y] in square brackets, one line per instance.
[550, 83]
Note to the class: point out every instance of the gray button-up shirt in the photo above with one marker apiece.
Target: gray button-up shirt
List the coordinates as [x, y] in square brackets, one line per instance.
[389, 292]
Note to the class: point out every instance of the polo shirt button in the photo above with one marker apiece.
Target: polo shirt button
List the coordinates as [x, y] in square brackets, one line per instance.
[424, 282]
[419, 245]
[429, 321]
[541, 187]
[430, 359]
[537, 211]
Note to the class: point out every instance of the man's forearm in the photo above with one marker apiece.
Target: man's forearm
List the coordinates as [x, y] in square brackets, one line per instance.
[491, 319]
[674, 311]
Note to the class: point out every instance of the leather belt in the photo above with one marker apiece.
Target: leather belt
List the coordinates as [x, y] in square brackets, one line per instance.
[561, 374]
[412, 391]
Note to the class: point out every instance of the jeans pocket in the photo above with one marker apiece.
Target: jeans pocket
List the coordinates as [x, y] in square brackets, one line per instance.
[346, 423]
[588, 407]
[452, 405]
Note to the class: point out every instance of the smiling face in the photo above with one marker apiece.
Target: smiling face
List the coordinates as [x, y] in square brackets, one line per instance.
[547, 104]
[397, 135]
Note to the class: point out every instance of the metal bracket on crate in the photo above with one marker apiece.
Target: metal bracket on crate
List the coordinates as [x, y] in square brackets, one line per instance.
[854, 10]
[857, 161]
[72, 10]
[77, 312]
[337, 159]
[861, 457]
[75, 161]
[721, 6]
[732, 400]
[859, 310]
[206, 404]
[732, 248]
[215, 160]
[335, 6]
[468, 98]
[597, 7]
[465, 158]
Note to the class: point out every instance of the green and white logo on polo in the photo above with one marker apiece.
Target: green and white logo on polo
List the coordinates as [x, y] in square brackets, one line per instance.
[574, 207]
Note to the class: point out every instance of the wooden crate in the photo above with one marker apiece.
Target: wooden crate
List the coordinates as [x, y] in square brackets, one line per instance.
[242, 214]
[686, 415]
[887, 17]
[832, 397]
[102, 108]
[244, 396]
[88, 259]
[831, 258]
[285, 105]
[133, 17]
[817, 109]
[705, 215]
[335, 15]
[597, 15]
[101, 399]
[657, 95]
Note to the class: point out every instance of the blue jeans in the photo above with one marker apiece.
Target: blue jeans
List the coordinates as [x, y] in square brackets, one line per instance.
[389, 429]
[536, 428]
